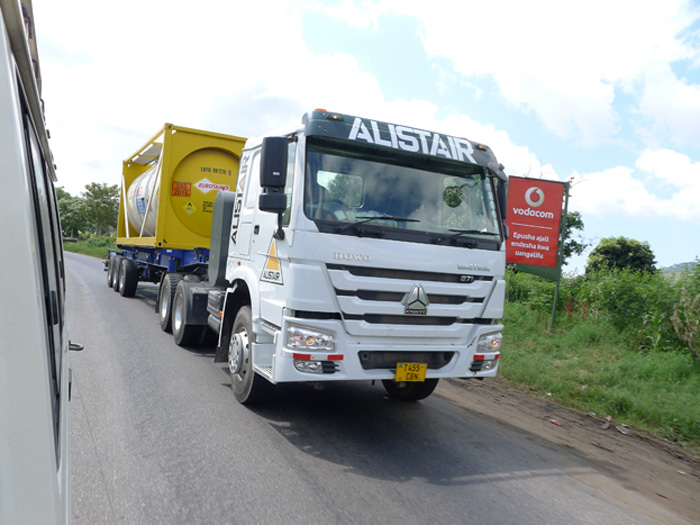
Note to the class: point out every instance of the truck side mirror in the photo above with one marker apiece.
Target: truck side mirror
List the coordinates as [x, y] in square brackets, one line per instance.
[273, 177]
[272, 202]
[273, 165]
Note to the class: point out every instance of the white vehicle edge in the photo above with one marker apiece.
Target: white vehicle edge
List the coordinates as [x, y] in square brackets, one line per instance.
[34, 368]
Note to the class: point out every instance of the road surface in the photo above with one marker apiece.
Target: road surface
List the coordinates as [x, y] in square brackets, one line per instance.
[158, 437]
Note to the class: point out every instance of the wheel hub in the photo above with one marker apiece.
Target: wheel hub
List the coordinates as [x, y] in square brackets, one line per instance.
[237, 352]
[177, 316]
[163, 307]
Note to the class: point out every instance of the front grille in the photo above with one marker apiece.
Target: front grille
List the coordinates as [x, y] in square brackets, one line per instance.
[368, 295]
[402, 319]
[409, 275]
[387, 360]
[302, 314]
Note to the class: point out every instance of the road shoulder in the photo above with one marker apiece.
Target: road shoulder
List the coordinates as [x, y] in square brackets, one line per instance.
[662, 473]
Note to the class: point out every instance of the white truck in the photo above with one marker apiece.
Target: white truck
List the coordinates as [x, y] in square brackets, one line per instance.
[352, 249]
[35, 375]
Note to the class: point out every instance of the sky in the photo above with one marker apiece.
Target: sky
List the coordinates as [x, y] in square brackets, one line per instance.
[602, 94]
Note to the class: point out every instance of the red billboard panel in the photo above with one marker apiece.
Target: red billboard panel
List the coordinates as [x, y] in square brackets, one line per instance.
[534, 213]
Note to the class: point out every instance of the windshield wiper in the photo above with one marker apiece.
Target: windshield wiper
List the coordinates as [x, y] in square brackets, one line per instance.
[459, 233]
[364, 220]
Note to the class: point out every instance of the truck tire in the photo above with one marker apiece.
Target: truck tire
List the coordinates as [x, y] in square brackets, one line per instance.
[248, 387]
[166, 294]
[183, 333]
[128, 278]
[410, 391]
[115, 272]
[110, 264]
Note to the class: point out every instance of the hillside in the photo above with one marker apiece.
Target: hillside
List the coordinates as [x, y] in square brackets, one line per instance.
[680, 267]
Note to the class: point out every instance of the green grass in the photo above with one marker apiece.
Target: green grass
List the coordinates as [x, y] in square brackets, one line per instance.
[93, 246]
[591, 365]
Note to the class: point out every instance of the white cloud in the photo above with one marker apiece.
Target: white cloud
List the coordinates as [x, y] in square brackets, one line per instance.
[672, 105]
[681, 176]
[109, 86]
[626, 191]
[566, 63]
[611, 192]
[363, 13]
[210, 66]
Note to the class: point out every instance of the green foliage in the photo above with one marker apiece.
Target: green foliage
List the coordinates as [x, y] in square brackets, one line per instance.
[95, 212]
[102, 206]
[573, 242]
[525, 288]
[621, 253]
[346, 189]
[73, 213]
[93, 245]
[686, 317]
[615, 350]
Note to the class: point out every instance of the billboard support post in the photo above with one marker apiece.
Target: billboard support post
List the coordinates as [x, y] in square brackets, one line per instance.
[562, 232]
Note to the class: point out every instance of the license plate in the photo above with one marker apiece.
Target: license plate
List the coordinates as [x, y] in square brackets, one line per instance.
[411, 371]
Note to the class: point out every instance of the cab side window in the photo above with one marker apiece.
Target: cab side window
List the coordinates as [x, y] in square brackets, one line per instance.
[50, 263]
[253, 185]
[291, 153]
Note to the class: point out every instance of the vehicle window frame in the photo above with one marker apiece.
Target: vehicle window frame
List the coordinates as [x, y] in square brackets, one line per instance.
[50, 264]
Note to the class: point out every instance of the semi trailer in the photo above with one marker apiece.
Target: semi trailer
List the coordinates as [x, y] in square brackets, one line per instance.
[344, 249]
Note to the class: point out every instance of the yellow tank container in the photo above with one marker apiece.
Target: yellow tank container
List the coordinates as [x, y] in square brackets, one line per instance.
[169, 185]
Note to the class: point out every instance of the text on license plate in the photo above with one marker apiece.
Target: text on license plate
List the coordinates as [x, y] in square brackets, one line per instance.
[410, 371]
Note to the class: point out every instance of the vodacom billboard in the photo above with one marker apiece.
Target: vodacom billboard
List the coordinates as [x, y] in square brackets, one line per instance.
[534, 213]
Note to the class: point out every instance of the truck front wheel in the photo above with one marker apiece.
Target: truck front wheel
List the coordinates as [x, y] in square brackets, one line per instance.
[248, 387]
[410, 391]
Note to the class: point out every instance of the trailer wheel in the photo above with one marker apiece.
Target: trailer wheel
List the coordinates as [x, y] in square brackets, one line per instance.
[248, 387]
[110, 269]
[410, 391]
[166, 294]
[117, 261]
[184, 334]
[128, 278]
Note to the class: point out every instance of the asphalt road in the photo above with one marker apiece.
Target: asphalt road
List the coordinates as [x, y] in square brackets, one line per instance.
[157, 437]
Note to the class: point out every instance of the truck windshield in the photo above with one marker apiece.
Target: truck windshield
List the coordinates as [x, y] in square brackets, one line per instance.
[428, 201]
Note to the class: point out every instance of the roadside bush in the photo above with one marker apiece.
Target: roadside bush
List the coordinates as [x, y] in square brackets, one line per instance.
[639, 304]
[620, 348]
[686, 321]
[88, 244]
[95, 241]
[525, 288]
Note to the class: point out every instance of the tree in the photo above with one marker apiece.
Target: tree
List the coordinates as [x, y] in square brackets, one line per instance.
[621, 253]
[573, 245]
[62, 194]
[72, 213]
[102, 206]
[346, 189]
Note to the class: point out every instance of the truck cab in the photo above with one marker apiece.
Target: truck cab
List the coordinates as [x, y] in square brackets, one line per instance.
[362, 250]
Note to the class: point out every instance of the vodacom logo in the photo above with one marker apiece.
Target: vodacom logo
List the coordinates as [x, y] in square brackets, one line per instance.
[534, 197]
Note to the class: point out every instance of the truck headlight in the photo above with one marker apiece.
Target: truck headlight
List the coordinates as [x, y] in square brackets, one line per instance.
[489, 343]
[309, 339]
